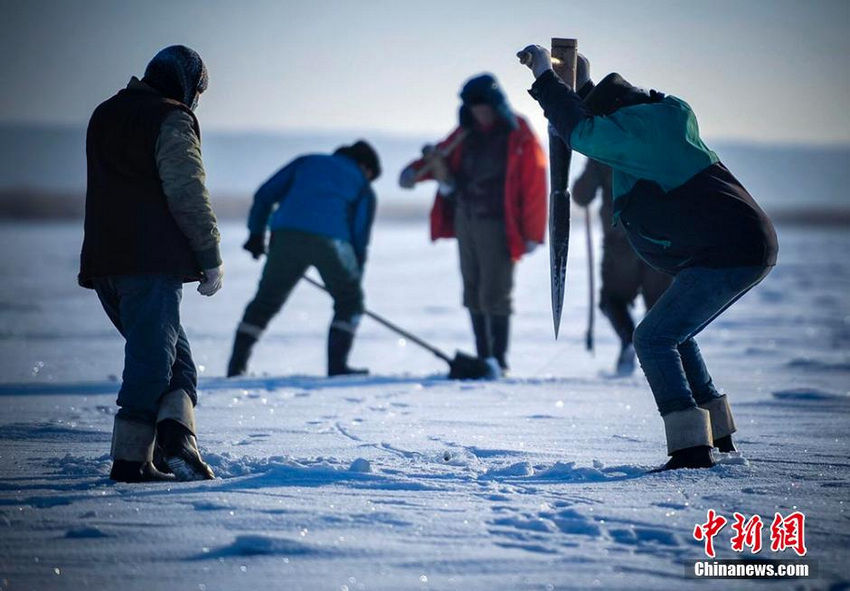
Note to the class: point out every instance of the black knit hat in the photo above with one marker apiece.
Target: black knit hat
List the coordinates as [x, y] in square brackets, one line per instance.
[178, 73]
[485, 90]
[614, 92]
[362, 153]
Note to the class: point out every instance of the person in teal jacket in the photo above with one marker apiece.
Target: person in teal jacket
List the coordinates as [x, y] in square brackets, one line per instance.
[320, 209]
[685, 214]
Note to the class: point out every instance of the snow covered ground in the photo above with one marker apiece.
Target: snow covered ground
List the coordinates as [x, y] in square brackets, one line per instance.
[405, 480]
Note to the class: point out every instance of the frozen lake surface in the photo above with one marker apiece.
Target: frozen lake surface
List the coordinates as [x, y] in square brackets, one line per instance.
[405, 480]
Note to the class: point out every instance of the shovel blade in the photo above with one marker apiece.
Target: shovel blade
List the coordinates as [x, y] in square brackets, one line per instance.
[469, 367]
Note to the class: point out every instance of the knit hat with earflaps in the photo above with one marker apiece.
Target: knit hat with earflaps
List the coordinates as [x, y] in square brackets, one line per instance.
[485, 90]
[615, 92]
[362, 153]
[178, 73]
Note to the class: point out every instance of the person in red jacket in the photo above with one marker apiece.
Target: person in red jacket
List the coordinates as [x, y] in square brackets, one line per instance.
[491, 173]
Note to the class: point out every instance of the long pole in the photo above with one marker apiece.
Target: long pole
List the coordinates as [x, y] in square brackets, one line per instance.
[589, 341]
[393, 327]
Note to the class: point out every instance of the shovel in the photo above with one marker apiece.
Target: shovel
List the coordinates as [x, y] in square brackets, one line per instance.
[462, 367]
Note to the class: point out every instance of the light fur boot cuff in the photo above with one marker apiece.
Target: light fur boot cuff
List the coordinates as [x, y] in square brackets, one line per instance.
[177, 406]
[132, 441]
[687, 428]
[722, 423]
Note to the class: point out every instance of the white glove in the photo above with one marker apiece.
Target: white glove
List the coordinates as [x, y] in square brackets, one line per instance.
[531, 246]
[212, 280]
[537, 58]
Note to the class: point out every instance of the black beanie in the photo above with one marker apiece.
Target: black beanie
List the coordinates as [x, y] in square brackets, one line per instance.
[615, 92]
[484, 89]
[178, 73]
[362, 153]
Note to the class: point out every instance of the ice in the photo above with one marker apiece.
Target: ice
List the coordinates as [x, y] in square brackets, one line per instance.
[403, 479]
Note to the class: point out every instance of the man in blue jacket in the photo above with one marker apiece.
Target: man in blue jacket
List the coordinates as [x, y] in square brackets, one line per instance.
[324, 212]
[684, 214]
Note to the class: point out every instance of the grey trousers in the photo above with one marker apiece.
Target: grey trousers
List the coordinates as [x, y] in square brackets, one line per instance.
[485, 264]
[291, 253]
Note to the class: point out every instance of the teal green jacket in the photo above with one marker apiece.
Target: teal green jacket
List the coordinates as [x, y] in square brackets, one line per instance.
[679, 205]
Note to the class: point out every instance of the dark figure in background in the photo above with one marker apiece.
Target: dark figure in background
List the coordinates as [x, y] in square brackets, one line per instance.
[324, 212]
[492, 197]
[150, 228]
[624, 274]
[685, 214]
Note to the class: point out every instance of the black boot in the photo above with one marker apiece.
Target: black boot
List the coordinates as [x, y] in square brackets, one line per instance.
[483, 337]
[725, 444]
[626, 359]
[179, 450]
[500, 328]
[690, 457]
[339, 346]
[242, 345]
[129, 471]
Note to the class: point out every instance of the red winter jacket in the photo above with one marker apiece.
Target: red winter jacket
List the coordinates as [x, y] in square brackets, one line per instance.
[525, 191]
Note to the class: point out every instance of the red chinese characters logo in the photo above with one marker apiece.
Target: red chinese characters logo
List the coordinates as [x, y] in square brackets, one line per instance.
[788, 532]
[785, 532]
[747, 533]
[708, 530]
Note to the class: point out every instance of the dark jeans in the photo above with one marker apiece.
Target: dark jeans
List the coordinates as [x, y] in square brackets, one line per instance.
[624, 276]
[291, 253]
[157, 359]
[664, 341]
[485, 264]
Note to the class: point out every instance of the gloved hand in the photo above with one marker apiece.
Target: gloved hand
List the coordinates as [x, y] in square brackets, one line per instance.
[407, 178]
[531, 246]
[436, 164]
[582, 71]
[212, 281]
[256, 245]
[537, 58]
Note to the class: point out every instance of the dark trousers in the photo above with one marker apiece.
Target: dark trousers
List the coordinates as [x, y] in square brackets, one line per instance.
[664, 341]
[157, 359]
[624, 276]
[291, 253]
[485, 264]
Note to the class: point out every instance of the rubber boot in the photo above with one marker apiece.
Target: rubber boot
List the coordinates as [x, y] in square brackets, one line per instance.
[242, 345]
[500, 327]
[132, 449]
[725, 444]
[483, 337]
[691, 457]
[339, 346]
[722, 423]
[135, 472]
[175, 436]
[626, 360]
[688, 439]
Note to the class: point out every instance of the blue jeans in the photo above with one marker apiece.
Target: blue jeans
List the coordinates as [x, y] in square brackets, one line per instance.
[664, 341]
[157, 359]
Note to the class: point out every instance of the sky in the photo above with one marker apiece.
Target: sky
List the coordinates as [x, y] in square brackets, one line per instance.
[771, 71]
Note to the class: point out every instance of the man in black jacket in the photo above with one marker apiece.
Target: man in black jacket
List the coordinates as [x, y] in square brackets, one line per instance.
[149, 228]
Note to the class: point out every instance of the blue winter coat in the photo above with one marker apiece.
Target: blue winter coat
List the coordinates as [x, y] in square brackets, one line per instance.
[322, 194]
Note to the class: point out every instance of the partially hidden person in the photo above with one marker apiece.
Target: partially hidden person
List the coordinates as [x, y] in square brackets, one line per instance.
[624, 274]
